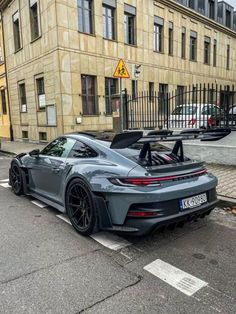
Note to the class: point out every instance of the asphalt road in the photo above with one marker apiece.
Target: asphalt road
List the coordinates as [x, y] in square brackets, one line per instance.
[46, 267]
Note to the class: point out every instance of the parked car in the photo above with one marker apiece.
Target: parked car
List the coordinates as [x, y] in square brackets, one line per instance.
[229, 119]
[194, 116]
[131, 184]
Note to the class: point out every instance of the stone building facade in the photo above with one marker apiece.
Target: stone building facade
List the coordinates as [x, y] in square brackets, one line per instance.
[4, 108]
[61, 56]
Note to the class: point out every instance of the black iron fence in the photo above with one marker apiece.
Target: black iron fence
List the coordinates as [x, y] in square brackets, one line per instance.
[199, 106]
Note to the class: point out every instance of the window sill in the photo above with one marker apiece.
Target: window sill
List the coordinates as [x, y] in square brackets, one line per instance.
[112, 40]
[207, 64]
[160, 52]
[193, 60]
[23, 111]
[41, 110]
[18, 50]
[89, 34]
[35, 39]
[46, 126]
[131, 45]
[90, 115]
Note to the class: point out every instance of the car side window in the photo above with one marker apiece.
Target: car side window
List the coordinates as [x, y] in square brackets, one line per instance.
[60, 147]
[81, 150]
[209, 110]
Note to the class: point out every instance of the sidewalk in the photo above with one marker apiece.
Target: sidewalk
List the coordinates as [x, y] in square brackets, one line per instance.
[225, 174]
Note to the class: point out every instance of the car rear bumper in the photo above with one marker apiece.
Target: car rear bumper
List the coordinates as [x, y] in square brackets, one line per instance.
[145, 226]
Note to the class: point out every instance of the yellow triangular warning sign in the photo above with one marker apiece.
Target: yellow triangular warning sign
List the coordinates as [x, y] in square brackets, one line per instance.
[121, 70]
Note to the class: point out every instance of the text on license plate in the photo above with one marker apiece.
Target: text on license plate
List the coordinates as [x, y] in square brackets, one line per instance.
[193, 201]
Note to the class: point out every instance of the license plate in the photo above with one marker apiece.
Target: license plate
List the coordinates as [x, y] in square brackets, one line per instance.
[193, 201]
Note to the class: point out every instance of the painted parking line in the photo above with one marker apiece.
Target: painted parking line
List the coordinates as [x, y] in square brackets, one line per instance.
[64, 218]
[109, 240]
[4, 180]
[175, 277]
[5, 185]
[39, 203]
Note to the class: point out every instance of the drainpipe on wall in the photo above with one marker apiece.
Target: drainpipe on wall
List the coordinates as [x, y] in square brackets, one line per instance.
[8, 96]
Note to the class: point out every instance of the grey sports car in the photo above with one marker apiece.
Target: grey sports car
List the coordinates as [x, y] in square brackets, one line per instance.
[132, 184]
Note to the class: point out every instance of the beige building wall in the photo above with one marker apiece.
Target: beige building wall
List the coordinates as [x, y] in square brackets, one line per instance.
[62, 54]
[4, 116]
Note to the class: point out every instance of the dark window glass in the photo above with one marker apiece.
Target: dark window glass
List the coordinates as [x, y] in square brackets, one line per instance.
[180, 95]
[134, 89]
[201, 6]
[163, 99]
[108, 22]
[16, 31]
[129, 29]
[183, 43]
[34, 20]
[211, 10]
[193, 48]
[40, 92]
[158, 38]
[171, 39]
[207, 50]
[110, 89]
[228, 57]
[228, 18]
[151, 91]
[191, 4]
[22, 96]
[215, 53]
[80, 150]
[4, 104]
[89, 98]
[85, 16]
[60, 147]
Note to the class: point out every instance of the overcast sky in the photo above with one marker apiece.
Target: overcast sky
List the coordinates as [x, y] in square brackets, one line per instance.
[232, 2]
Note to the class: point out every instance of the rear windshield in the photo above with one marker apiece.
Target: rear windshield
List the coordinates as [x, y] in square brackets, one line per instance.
[185, 110]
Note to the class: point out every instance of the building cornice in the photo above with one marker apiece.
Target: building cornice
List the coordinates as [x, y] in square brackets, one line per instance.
[4, 4]
[196, 16]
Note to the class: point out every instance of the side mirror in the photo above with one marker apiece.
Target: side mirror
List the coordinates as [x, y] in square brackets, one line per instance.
[34, 153]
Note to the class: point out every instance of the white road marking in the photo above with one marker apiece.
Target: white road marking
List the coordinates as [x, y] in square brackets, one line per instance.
[4, 180]
[65, 218]
[5, 185]
[175, 277]
[110, 240]
[39, 204]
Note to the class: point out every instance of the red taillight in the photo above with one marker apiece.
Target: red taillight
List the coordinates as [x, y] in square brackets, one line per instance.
[144, 214]
[211, 122]
[150, 181]
[192, 121]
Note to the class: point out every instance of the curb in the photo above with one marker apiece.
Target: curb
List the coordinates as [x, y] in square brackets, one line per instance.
[227, 199]
[7, 153]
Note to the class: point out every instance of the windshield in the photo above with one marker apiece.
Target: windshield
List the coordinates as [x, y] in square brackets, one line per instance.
[185, 110]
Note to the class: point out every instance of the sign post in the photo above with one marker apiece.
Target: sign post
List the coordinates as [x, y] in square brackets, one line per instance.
[121, 72]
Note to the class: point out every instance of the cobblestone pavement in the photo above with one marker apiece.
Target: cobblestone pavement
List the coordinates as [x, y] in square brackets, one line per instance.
[227, 179]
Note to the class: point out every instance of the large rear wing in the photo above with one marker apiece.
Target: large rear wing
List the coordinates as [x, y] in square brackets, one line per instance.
[127, 139]
[124, 140]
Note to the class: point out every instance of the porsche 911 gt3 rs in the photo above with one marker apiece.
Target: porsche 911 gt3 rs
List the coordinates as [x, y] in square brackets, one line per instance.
[132, 184]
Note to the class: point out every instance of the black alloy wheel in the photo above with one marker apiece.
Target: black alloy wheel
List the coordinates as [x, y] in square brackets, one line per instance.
[80, 207]
[16, 179]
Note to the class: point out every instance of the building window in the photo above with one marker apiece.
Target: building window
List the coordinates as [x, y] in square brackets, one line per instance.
[151, 91]
[191, 4]
[207, 50]
[183, 43]
[215, 53]
[34, 19]
[163, 99]
[16, 30]
[22, 96]
[158, 34]
[228, 19]
[85, 16]
[4, 103]
[171, 39]
[25, 135]
[201, 6]
[180, 95]
[111, 88]
[228, 57]
[129, 21]
[40, 93]
[89, 97]
[42, 136]
[211, 9]
[134, 88]
[108, 22]
[193, 46]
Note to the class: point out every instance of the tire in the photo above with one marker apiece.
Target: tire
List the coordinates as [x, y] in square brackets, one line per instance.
[16, 179]
[80, 207]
